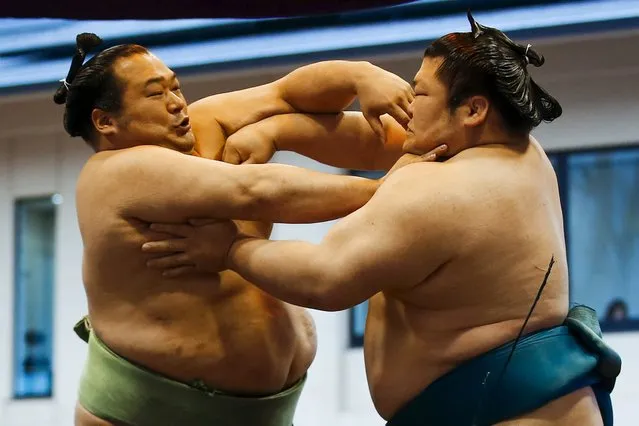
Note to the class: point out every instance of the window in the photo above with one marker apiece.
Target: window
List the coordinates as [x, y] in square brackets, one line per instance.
[602, 189]
[599, 192]
[357, 324]
[33, 303]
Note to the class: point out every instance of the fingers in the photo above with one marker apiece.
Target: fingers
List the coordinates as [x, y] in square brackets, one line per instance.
[400, 108]
[411, 94]
[433, 154]
[404, 104]
[171, 261]
[166, 246]
[178, 272]
[400, 115]
[250, 160]
[429, 157]
[376, 124]
[178, 229]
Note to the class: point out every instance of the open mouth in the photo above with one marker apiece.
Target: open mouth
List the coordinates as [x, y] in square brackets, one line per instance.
[184, 126]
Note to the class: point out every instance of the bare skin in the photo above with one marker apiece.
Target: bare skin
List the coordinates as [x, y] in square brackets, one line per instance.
[480, 278]
[458, 270]
[188, 329]
[450, 255]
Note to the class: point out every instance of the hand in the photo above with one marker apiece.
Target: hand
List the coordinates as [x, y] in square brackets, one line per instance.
[200, 246]
[249, 145]
[408, 158]
[381, 92]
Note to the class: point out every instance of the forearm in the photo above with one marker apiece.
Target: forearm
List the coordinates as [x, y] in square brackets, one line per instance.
[287, 194]
[343, 140]
[323, 87]
[291, 271]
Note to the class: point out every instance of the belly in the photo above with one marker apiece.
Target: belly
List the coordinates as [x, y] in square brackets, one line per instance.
[399, 362]
[229, 334]
[407, 348]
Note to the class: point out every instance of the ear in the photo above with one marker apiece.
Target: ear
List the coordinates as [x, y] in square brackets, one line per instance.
[103, 122]
[475, 111]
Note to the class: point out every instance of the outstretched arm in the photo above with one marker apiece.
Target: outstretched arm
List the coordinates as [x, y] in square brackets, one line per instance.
[396, 241]
[330, 87]
[324, 87]
[342, 140]
[165, 186]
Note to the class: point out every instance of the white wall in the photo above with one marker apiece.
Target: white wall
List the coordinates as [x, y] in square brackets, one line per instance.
[595, 82]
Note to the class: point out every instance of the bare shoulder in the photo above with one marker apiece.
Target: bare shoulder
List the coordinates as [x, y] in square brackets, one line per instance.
[109, 170]
[205, 109]
[130, 160]
[431, 182]
[222, 105]
[233, 110]
[431, 196]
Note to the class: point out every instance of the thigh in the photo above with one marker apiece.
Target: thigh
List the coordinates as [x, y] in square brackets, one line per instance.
[579, 408]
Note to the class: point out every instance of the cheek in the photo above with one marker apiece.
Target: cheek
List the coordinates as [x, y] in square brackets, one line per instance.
[420, 114]
[426, 120]
[153, 111]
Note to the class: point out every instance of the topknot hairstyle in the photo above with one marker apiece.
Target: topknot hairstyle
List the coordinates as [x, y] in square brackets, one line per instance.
[486, 62]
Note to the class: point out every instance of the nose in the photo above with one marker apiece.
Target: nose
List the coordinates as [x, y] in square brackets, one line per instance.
[176, 103]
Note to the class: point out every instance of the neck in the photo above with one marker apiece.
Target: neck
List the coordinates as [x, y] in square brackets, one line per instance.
[492, 134]
[487, 138]
[104, 144]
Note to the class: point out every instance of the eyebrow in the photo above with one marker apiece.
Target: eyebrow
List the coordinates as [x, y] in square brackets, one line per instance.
[158, 79]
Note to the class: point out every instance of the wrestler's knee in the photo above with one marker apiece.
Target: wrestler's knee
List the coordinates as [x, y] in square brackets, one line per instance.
[84, 418]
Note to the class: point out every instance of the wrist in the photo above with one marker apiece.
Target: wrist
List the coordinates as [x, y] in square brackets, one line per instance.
[271, 130]
[359, 72]
[234, 253]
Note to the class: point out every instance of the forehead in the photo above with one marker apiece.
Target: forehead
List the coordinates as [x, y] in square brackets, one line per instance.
[138, 69]
[427, 73]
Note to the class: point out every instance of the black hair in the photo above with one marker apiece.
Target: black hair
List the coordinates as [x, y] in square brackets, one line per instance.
[92, 85]
[487, 62]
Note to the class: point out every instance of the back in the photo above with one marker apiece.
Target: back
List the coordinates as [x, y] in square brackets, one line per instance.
[211, 327]
[505, 226]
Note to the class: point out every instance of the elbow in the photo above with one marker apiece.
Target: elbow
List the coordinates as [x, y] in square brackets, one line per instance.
[252, 199]
[246, 205]
[325, 302]
[331, 307]
[331, 295]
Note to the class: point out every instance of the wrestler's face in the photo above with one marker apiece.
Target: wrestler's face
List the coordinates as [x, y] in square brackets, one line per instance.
[154, 109]
[432, 122]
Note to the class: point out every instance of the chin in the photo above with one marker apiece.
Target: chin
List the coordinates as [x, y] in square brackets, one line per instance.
[408, 146]
[185, 145]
